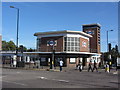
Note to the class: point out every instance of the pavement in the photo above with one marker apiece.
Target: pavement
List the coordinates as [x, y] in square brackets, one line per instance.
[65, 69]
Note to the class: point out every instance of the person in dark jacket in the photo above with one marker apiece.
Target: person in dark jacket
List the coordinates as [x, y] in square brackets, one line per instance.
[90, 66]
[95, 66]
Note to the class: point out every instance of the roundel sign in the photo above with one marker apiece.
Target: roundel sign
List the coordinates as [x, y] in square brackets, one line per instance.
[84, 44]
[51, 43]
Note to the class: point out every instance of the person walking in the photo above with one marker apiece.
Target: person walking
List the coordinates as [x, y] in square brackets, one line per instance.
[95, 66]
[107, 68]
[61, 64]
[110, 65]
[80, 67]
[90, 66]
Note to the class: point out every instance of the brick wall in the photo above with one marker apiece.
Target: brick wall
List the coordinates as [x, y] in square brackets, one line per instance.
[58, 47]
[84, 48]
[94, 46]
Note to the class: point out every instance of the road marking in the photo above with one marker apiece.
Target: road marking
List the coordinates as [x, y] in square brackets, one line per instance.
[54, 79]
[18, 72]
[42, 77]
[15, 83]
[61, 80]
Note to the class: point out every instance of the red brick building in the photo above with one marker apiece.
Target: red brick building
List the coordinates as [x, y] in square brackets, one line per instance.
[70, 46]
[94, 30]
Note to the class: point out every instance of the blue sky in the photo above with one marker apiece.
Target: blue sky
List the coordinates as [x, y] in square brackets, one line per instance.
[56, 16]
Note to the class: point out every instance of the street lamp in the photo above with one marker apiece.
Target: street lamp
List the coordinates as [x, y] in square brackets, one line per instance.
[107, 39]
[17, 28]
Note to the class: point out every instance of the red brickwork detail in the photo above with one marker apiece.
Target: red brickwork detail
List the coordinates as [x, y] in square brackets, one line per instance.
[58, 47]
[84, 48]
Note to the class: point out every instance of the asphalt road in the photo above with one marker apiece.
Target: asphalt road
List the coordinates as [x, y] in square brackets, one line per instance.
[14, 78]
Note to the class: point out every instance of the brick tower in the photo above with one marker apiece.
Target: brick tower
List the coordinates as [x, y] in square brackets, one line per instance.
[94, 30]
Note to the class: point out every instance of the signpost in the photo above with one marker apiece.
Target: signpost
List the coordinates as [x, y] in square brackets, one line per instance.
[52, 43]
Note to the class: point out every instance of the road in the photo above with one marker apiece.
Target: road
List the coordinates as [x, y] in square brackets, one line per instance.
[14, 78]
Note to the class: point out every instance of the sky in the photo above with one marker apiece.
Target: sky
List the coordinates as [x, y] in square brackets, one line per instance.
[56, 16]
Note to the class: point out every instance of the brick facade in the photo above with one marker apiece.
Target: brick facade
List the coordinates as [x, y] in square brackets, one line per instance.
[45, 48]
[84, 48]
[95, 40]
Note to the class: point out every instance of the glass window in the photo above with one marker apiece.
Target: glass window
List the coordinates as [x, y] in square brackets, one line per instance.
[72, 38]
[72, 44]
[38, 43]
[68, 39]
[72, 60]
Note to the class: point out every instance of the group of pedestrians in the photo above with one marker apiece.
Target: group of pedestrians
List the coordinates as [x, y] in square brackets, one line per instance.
[92, 66]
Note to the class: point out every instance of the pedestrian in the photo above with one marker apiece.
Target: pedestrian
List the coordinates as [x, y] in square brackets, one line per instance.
[80, 67]
[107, 68]
[61, 64]
[95, 66]
[53, 64]
[110, 64]
[90, 66]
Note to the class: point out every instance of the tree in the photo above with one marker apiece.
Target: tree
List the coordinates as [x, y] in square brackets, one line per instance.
[11, 45]
[22, 48]
[30, 50]
[4, 46]
[114, 54]
[7, 46]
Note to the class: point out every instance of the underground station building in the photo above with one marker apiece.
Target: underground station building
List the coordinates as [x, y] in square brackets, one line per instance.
[69, 45]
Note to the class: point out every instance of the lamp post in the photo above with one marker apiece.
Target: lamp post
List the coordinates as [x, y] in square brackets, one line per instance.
[52, 43]
[107, 39]
[17, 28]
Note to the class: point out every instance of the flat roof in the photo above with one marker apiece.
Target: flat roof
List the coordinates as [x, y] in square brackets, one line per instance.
[62, 32]
[92, 24]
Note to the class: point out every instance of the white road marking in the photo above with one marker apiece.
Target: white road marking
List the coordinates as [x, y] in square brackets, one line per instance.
[18, 72]
[54, 79]
[61, 80]
[42, 77]
[15, 83]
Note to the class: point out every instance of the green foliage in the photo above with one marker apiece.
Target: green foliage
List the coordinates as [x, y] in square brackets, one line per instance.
[30, 50]
[114, 54]
[22, 48]
[6, 46]
[10, 46]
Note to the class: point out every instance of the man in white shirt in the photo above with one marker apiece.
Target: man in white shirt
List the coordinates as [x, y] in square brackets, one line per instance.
[61, 64]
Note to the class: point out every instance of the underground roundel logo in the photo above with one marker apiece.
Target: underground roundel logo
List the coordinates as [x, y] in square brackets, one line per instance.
[51, 43]
[84, 44]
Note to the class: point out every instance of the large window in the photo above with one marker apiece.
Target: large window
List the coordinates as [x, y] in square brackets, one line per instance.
[72, 44]
[38, 43]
